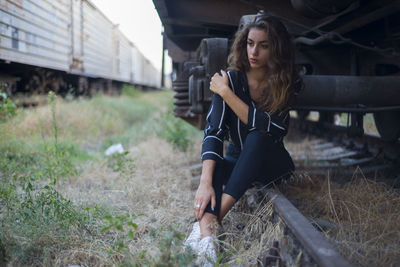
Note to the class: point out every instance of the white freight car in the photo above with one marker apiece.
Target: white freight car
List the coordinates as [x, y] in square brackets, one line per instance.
[143, 71]
[150, 73]
[35, 35]
[70, 40]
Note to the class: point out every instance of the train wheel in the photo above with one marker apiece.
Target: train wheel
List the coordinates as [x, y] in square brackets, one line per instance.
[388, 124]
[42, 81]
[213, 54]
[83, 86]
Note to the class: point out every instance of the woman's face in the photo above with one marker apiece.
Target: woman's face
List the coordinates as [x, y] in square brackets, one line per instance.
[257, 48]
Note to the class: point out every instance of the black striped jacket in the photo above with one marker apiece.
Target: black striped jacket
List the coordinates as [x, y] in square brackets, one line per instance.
[222, 122]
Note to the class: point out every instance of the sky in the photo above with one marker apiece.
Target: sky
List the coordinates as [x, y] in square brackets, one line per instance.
[139, 22]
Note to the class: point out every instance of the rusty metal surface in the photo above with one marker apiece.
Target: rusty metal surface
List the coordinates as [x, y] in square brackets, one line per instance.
[187, 22]
[324, 253]
[321, 90]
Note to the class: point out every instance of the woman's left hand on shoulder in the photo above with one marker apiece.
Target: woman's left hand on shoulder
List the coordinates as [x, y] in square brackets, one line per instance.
[219, 83]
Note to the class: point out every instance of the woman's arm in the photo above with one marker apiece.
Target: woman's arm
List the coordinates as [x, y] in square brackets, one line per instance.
[211, 153]
[249, 115]
[219, 85]
[205, 192]
[207, 171]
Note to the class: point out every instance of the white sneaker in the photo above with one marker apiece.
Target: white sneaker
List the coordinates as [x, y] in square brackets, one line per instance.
[206, 255]
[192, 242]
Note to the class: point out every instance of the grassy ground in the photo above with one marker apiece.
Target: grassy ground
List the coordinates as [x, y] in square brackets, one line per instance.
[63, 202]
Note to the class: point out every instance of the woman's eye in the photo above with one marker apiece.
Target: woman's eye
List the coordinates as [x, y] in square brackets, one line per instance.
[265, 46]
[249, 43]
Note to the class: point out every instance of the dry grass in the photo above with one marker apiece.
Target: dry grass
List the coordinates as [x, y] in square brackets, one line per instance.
[86, 121]
[248, 234]
[70, 120]
[157, 183]
[366, 215]
[158, 188]
[365, 211]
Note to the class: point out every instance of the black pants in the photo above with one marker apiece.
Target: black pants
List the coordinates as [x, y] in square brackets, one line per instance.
[262, 160]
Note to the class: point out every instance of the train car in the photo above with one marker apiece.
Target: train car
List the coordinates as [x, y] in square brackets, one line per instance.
[65, 45]
[144, 73]
[347, 50]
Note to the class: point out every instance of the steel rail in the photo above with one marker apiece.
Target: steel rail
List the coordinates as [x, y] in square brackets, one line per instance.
[315, 244]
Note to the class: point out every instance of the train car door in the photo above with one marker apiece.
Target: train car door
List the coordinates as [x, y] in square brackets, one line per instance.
[77, 36]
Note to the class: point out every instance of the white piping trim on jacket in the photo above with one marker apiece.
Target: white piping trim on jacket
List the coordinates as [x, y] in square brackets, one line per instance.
[206, 130]
[240, 137]
[284, 119]
[269, 121]
[286, 116]
[276, 125]
[238, 125]
[254, 106]
[230, 79]
[210, 152]
[209, 113]
[223, 114]
[254, 116]
[211, 136]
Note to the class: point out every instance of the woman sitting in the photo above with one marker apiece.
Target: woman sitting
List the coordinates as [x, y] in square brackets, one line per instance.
[250, 106]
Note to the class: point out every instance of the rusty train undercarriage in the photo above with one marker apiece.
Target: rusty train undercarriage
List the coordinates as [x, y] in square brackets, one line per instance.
[347, 52]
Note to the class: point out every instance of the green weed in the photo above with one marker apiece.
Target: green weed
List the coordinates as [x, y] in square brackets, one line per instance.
[7, 195]
[36, 211]
[175, 130]
[8, 108]
[120, 162]
[170, 248]
[128, 110]
[125, 227]
[130, 90]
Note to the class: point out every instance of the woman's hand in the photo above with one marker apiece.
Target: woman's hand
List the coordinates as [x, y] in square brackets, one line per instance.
[219, 84]
[204, 194]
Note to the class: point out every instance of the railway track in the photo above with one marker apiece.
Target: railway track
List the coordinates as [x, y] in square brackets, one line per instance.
[302, 242]
[331, 149]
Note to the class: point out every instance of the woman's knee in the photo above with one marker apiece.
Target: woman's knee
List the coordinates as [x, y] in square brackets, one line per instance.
[258, 141]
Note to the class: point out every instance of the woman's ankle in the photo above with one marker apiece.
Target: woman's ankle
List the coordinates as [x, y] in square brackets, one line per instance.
[208, 225]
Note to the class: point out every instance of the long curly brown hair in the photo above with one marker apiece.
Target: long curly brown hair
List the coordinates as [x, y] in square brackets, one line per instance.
[283, 78]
